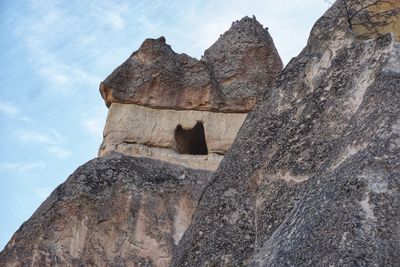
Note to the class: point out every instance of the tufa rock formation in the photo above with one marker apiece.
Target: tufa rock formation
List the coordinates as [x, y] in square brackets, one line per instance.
[156, 92]
[313, 178]
[118, 210]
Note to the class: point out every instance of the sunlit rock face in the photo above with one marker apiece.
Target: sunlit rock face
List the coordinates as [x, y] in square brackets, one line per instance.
[313, 177]
[384, 17]
[157, 92]
[141, 131]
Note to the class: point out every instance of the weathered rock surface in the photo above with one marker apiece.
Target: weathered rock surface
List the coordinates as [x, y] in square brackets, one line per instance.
[233, 72]
[156, 92]
[141, 131]
[113, 211]
[313, 178]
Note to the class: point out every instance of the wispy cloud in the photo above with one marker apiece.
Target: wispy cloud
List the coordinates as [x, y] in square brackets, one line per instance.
[116, 21]
[36, 137]
[51, 141]
[21, 166]
[58, 151]
[57, 75]
[94, 126]
[8, 108]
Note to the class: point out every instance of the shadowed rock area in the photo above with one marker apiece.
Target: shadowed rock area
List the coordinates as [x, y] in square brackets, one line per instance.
[313, 177]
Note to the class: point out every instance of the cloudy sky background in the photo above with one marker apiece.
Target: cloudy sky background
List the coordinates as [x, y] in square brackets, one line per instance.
[53, 55]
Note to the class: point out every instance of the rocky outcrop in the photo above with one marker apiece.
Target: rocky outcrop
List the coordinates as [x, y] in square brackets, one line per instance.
[113, 211]
[313, 178]
[156, 92]
[230, 76]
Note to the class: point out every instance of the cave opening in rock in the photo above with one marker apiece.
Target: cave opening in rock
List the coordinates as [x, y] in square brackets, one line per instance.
[191, 141]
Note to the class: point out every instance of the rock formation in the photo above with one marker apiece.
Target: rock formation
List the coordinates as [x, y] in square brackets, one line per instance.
[156, 91]
[313, 178]
[118, 210]
[112, 211]
[229, 77]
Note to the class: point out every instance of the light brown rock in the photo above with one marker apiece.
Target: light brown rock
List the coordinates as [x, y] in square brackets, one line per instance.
[141, 131]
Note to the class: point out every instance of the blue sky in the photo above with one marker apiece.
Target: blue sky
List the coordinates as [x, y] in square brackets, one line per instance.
[54, 54]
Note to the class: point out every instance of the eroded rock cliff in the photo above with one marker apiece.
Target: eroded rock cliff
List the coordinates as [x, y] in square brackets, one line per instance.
[313, 178]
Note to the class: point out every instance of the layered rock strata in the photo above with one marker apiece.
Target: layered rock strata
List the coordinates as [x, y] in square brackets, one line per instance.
[141, 131]
[156, 91]
[313, 178]
[112, 211]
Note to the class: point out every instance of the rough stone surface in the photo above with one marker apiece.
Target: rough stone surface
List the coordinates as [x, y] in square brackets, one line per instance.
[113, 211]
[313, 178]
[382, 19]
[141, 131]
[232, 73]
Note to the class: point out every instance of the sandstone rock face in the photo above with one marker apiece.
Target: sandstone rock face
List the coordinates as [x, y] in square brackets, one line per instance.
[313, 178]
[141, 131]
[233, 72]
[113, 211]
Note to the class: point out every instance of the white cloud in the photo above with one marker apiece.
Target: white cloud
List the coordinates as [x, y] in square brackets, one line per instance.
[21, 166]
[94, 126]
[56, 74]
[58, 151]
[8, 108]
[51, 141]
[25, 119]
[35, 137]
[116, 21]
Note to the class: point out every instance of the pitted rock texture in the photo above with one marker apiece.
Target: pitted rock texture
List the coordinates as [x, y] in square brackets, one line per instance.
[313, 178]
[113, 211]
[141, 131]
[230, 76]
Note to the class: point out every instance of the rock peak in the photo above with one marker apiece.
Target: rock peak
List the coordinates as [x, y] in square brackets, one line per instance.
[246, 22]
[153, 50]
[247, 30]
